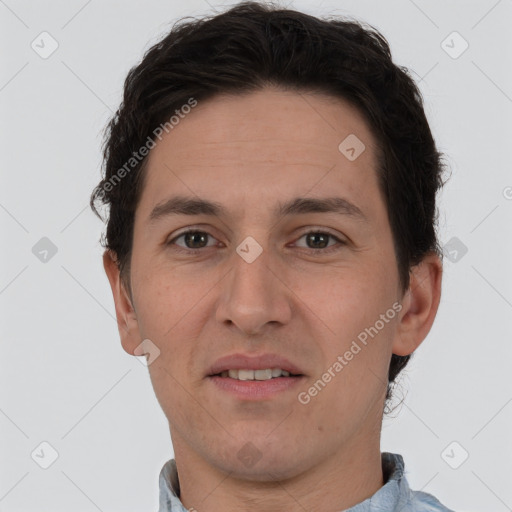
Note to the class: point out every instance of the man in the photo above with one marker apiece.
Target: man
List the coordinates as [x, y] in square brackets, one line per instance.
[271, 248]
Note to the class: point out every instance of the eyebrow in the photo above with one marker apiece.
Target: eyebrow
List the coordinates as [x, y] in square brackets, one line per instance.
[182, 205]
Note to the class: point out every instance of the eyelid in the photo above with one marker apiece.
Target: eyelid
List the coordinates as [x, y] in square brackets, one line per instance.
[341, 242]
[309, 230]
[320, 229]
[190, 229]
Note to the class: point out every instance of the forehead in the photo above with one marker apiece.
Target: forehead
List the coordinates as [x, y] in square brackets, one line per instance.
[281, 142]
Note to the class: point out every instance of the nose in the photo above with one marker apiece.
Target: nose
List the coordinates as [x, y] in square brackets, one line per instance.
[254, 294]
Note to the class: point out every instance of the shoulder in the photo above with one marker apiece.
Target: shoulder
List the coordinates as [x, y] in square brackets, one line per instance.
[408, 500]
[424, 502]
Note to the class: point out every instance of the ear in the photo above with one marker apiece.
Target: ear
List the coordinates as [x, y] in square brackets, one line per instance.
[125, 313]
[419, 305]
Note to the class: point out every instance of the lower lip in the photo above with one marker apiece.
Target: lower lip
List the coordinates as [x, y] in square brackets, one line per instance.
[256, 389]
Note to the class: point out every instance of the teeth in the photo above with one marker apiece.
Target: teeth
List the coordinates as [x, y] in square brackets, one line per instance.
[268, 373]
[263, 374]
[246, 374]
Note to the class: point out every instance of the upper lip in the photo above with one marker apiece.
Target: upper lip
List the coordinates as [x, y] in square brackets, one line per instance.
[246, 362]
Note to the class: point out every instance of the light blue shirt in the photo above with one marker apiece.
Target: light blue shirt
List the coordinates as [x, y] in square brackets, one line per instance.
[394, 496]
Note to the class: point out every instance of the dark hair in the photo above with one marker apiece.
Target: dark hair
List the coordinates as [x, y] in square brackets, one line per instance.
[255, 45]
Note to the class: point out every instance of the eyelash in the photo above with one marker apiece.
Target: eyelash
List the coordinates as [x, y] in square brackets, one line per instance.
[314, 252]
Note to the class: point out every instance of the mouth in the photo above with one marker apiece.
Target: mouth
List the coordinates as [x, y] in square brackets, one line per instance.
[256, 385]
[248, 377]
[255, 375]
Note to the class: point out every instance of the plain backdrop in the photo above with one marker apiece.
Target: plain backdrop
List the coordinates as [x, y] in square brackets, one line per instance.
[65, 380]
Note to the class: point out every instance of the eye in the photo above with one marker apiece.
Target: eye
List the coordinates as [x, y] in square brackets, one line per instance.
[195, 240]
[319, 239]
[193, 237]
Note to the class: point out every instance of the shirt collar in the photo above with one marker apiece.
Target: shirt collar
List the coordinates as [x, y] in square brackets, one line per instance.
[394, 494]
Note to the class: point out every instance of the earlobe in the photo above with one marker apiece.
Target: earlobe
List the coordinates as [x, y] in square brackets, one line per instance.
[420, 305]
[125, 313]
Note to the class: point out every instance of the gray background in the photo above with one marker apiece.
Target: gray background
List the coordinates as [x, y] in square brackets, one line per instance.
[65, 378]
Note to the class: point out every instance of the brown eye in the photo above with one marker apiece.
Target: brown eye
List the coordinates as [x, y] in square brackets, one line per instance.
[317, 241]
[193, 240]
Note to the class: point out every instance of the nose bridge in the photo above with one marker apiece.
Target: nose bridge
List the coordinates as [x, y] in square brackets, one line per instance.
[252, 294]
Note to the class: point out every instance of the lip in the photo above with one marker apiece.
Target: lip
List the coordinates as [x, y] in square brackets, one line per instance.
[246, 362]
[251, 390]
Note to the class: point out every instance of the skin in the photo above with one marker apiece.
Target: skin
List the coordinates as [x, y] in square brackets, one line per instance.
[249, 153]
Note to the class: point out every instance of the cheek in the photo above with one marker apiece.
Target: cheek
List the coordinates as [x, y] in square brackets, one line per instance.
[163, 301]
[345, 300]
[355, 319]
[179, 401]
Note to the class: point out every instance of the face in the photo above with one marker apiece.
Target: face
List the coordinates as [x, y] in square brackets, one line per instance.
[251, 281]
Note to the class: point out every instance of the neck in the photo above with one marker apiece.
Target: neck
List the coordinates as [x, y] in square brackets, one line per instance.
[347, 477]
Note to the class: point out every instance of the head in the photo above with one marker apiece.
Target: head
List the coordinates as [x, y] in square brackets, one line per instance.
[250, 110]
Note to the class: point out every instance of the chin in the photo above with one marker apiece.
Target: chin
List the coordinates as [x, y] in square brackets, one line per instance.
[253, 462]
[262, 471]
